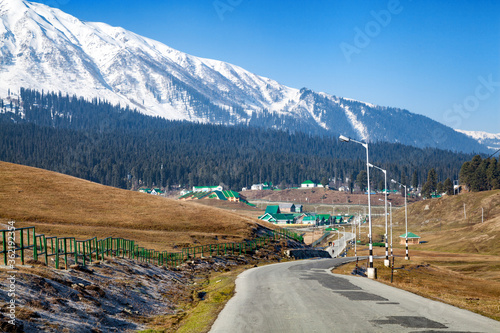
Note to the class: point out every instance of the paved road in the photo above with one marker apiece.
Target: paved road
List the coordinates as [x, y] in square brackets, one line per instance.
[339, 244]
[303, 296]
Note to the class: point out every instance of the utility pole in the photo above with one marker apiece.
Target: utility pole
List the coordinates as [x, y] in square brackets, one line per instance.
[465, 214]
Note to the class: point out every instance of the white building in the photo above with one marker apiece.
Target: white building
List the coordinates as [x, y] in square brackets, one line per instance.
[308, 184]
[207, 188]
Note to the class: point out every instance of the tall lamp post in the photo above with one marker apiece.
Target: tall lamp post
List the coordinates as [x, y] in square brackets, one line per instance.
[371, 271]
[386, 261]
[407, 257]
[390, 205]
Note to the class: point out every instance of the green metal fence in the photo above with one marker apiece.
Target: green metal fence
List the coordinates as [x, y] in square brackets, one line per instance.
[19, 242]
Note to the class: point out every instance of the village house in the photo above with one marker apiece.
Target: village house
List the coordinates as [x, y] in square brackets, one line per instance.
[307, 184]
[263, 186]
[287, 207]
[298, 208]
[278, 218]
[228, 195]
[412, 239]
[207, 188]
[273, 209]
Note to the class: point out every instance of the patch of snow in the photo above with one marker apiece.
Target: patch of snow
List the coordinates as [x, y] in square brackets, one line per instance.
[356, 124]
[479, 135]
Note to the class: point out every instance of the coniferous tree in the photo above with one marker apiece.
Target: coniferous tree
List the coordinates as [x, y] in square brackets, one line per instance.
[440, 188]
[448, 186]
[105, 143]
[430, 185]
[414, 180]
[478, 176]
[465, 174]
[362, 180]
[493, 174]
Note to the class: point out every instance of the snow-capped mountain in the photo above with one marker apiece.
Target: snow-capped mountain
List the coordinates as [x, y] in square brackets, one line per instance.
[490, 140]
[45, 48]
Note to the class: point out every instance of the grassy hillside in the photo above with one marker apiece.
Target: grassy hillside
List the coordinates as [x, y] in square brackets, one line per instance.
[60, 205]
[441, 222]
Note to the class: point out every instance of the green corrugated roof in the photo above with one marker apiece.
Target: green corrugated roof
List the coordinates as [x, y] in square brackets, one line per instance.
[274, 209]
[231, 194]
[220, 195]
[283, 216]
[185, 195]
[308, 182]
[410, 235]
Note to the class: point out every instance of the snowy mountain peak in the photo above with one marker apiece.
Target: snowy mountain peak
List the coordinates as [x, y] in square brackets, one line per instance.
[491, 140]
[44, 48]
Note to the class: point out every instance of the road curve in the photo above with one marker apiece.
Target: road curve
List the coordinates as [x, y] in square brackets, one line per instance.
[303, 296]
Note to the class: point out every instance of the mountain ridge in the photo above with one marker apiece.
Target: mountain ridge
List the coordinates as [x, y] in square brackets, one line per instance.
[44, 48]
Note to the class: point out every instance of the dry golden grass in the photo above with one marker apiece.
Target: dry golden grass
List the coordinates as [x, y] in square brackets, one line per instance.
[470, 282]
[440, 222]
[60, 205]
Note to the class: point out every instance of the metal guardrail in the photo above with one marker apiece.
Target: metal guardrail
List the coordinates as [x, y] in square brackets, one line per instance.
[319, 240]
[18, 242]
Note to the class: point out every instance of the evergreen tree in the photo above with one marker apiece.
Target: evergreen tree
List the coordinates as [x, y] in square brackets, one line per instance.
[414, 180]
[324, 182]
[465, 174]
[362, 180]
[440, 188]
[404, 179]
[478, 180]
[430, 185]
[448, 186]
[493, 174]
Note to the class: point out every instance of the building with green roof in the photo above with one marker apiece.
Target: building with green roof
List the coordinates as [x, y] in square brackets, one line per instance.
[308, 184]
[412, 239]
[273, 209]
[278, 218]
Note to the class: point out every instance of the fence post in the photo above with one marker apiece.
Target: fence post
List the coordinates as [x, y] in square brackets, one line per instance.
[46, 250]
[22, 247]
[57, 252]
[35, 253]
[4, 248]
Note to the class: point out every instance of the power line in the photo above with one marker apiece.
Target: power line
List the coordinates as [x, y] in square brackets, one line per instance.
[493, 153]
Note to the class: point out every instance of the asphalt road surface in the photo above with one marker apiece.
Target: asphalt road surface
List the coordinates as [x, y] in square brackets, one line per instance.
[303, 296]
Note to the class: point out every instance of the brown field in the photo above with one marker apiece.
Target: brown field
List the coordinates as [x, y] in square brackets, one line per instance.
[319, 195]
[459, 262]
[60, 205]
[441, 223]
[471, 282]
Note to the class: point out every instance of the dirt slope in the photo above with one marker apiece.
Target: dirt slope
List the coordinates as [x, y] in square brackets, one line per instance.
[444, 226]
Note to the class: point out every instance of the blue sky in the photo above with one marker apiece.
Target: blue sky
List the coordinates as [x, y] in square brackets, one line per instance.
[440, 59]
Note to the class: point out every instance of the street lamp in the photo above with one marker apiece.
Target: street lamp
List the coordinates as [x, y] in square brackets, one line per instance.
[386, 261]
[353, 227]
[372, 273]
[407, 257]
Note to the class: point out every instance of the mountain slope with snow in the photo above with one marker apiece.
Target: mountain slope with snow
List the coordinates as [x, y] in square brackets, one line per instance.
[490, 140]
[44, 48]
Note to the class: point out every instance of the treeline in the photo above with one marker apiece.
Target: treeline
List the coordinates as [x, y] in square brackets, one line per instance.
[121, 147]
[481, 174]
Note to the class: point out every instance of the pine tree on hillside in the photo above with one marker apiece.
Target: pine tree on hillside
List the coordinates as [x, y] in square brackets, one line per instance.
[362, 180]
[440, 188]
[430, 185]
[465, 174]
[493, 175]
[414, 180]
[448, 186]
[478, 180]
